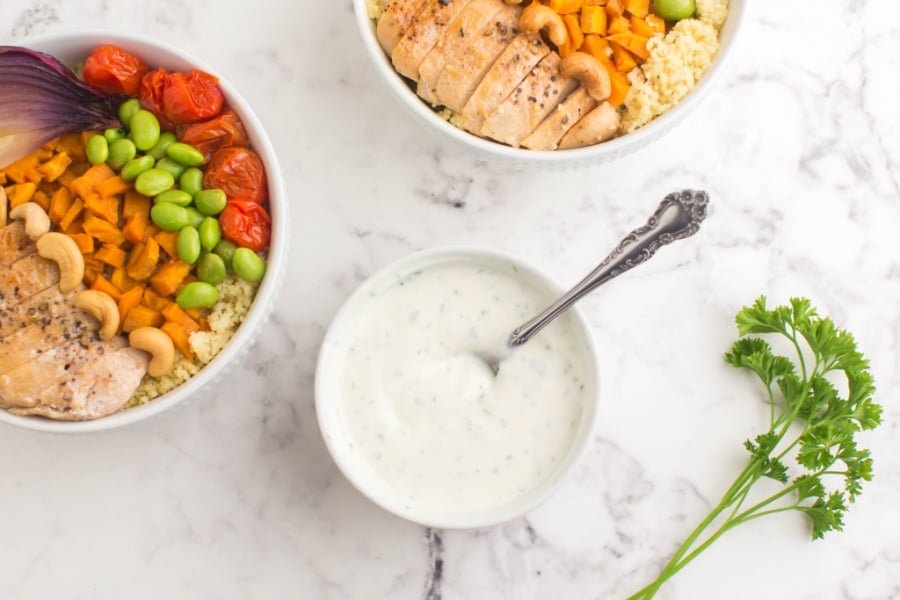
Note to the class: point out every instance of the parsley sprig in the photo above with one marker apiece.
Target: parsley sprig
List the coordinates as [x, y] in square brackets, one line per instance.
[810, 421]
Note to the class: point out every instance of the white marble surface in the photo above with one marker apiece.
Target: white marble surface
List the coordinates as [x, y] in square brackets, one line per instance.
[234, 495]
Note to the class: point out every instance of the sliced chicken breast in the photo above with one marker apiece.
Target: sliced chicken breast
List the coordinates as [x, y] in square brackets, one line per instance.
[467, 25]
[14, 244]
[568, 112]
[524, 109]
[507, 72]
[465, 71]
[421, 36]
[38, 310]
[98, 389]
[25, 278]
[598, 125]
[396, 18]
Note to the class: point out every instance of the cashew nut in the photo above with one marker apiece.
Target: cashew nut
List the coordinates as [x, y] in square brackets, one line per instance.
[62, 249]
[536, 17]
[158, 344]
[589, 71]
[3, 207]
[103, 308]
[37, 223]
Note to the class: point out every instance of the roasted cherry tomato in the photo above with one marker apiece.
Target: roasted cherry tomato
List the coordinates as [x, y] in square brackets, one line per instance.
[151, 95]
[246, 223]
[237, 171]
[218, 132]
[113, 70]
[191, 97]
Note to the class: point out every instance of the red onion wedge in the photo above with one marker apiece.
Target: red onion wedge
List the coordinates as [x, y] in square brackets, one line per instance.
[41, 99]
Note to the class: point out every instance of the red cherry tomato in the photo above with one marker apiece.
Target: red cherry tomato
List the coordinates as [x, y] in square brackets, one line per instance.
[113, 70]
[237, 171]
[191, 97]
[218, 132]
[246, 223]
[151, 95]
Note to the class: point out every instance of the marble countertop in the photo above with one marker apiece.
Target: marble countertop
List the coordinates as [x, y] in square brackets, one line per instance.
[234, 495]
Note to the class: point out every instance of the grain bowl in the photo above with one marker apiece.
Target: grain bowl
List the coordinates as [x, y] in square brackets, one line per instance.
[521, 88]
[224, 306]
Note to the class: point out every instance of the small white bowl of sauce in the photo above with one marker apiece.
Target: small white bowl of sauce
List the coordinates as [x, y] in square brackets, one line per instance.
[420, 425]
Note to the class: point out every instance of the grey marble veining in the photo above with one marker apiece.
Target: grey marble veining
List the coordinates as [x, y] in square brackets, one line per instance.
[233, 495]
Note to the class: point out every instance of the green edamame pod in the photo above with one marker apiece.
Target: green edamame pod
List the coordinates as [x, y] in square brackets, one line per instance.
[195, 219]
[248, 265]
[184, 154]
[127, 109]
[145, 129]
[191, 181]
[210, 233]
[188, 245]
[120, 152]
[168, 216]
[225, 250]
[136, 166]
[112, 134]
[175, 197]
[167, 164]
[158, 150]
[210, 202]
[211, 269]
[197, 294]
[153, 182]
[97, 149]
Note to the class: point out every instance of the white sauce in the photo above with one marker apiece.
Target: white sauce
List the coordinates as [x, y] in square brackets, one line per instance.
[430, 419]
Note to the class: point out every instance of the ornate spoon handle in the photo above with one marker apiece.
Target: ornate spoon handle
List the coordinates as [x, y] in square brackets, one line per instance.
[678, 216]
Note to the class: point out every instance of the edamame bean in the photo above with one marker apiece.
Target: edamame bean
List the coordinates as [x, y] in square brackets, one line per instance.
[674, 10]
[175, 197]
[153, 182]
[197, 294]
[248, 265]
[195, 219]
[159, 149]
[191, 181]
[211, 269]
[210, 202]
[112, 134]
[168, 216]
[136, 166]
[167, 164]
[120, 152]
[185, 154]
[145, 128]
[225, 250]
[127, 110]
[97, 149]
[210, 234]
[188, 245]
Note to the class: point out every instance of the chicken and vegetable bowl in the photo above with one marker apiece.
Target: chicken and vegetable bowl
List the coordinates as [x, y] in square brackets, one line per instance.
[135, 230]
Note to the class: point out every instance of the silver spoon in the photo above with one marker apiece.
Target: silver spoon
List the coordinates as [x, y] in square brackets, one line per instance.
[678, 216]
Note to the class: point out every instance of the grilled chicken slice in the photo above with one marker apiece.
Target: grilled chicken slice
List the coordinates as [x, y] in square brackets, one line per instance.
[25, 278]
[421, 36]
[507, 72]
[14, 244]
[40, 309]
[568, 112]
[396, 18]
[598, 125]
[98, 389]
[467, 25]
[524, 109]
[463, 74]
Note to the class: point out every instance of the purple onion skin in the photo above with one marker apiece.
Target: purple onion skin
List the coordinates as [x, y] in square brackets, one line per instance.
[40, 80]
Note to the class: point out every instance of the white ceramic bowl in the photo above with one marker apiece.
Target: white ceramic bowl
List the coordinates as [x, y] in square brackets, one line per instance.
[561, 159]
[339, 434]
[73, 47]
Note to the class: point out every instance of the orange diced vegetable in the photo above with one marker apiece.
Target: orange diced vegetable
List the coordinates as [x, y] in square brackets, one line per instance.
[105, 207]
[84, 185]
[638, 8]
[168, 241]
[618, 24]
[177, 315]
[20, 193]
[623, 59]
[56, 166]
[635, 44]
[619, 86]
[573, 26]
[640, 27]
[103, 230]
[41, 199]
[153, 300]
[144, 258]
[566, 7]
[128, 301]
[180, 338]
[593, 20]
[70, 143]
[112, 186]
[18, 171]
[59, 204]
[169, 277]
[141, 316]
[73, 213]
[135, 203]
[657, 24]
[615, 8]
[596, 46]
[84, 242]
[135, 227]
[121, 280]
[109, 254]
[102, 284]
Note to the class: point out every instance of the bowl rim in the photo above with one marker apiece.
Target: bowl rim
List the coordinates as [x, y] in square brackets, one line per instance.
[349, 312]
[619, 146]
[266, 293]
